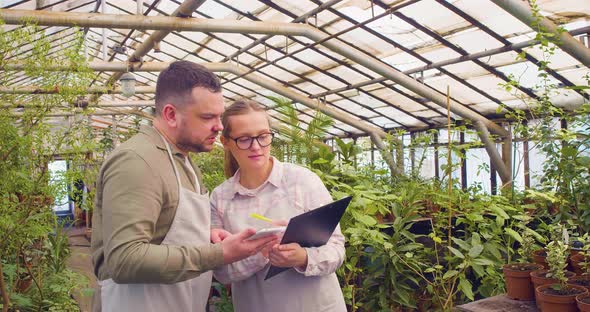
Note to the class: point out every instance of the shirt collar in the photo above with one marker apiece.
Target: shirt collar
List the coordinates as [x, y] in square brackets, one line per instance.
[275, 177]
[155, 137]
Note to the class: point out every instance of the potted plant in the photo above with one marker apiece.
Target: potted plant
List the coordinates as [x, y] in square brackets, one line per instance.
[583, 302]
[560, 296]
[581, 264]
[581, 258]
[517, 275]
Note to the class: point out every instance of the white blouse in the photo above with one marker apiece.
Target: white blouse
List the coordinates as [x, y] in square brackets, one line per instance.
[289, 191]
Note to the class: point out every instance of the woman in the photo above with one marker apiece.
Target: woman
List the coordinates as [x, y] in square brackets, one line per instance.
[259, 183]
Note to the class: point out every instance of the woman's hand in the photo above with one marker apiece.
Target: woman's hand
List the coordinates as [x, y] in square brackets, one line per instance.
[288, 256]
[266, 250]
[218, 235]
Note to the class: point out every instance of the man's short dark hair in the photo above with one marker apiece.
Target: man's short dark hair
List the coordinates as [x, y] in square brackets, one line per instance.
[176, 83]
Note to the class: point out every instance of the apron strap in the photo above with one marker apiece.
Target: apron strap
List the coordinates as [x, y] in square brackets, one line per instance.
[192, 170]
[187, 163]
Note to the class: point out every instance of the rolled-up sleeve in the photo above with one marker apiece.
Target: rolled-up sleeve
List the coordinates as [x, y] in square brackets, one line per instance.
[132, 200]
[325, 259]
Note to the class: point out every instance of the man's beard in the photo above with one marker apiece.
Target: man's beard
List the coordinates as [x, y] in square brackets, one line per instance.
[185, 143]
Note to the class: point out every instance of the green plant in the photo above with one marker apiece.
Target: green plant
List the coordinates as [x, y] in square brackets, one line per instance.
[527, 246]
[557, 261]
[295, 144]
[29, 143]
[58, 249]
[223, 303]
[566, 169]
[212, 163]
[585, 253]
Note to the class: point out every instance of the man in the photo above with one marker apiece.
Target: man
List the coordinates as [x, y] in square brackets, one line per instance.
[151, 247]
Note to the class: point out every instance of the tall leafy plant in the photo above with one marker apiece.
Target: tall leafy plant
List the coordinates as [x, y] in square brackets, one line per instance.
[296, 144]
[29, 143]
[561, 135]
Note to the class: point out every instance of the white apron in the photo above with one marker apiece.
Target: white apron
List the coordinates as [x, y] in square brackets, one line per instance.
[191, 226]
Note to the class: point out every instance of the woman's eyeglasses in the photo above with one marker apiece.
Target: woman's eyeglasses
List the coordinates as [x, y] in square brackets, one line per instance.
[245, 142]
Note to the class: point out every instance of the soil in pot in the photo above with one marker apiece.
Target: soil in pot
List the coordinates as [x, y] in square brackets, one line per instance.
[583, 302]
[583, 280]
[575, 261]
[518, 280]
[559, 299]
[539, 278]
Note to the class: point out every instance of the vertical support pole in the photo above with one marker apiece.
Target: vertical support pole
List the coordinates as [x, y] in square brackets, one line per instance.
[400, 156]
[355, 162]
[412, 153]
[463, 161]
[527, 160]
[436, 162]
[507, 156]
[103, 5]
[493, 179]
[372, 154]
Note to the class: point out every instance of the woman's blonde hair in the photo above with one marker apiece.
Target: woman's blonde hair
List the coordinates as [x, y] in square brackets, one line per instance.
[239, 107]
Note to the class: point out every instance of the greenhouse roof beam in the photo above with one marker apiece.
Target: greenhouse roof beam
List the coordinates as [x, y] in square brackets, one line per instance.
[349, 66]
[257, 70]
[231, 26]
[231, 80]
[461, 51]
[414, 54]
[566, 42]
[149, 9]
[159, 66]
[291, 72]
[55, 90]
[77, 113]
[463, 58]
[505, 42]
[376, 133]
[301, 18]
[225, 81]
[182, 11]
[300, 76]
[103, 66]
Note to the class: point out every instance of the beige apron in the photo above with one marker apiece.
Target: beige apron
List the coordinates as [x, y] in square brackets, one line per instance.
[190, 226]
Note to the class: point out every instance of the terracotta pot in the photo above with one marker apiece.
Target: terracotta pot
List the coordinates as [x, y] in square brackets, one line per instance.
[574, 251]
[539, 257]
[575, 262]
[518, 280]
[582, 280]
[558, 303]
[583, 302]
[538, 278]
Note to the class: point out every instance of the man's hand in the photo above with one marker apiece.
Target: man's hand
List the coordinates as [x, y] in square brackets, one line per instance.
[288, 256]
[217, 235]
[236, 247]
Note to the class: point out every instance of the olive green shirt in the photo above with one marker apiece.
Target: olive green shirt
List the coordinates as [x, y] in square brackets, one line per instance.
[136, 201]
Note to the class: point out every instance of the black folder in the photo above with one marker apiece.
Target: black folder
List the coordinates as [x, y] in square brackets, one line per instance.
[313, 228]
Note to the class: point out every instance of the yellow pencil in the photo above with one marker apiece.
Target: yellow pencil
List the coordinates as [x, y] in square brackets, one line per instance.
[260, 217]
